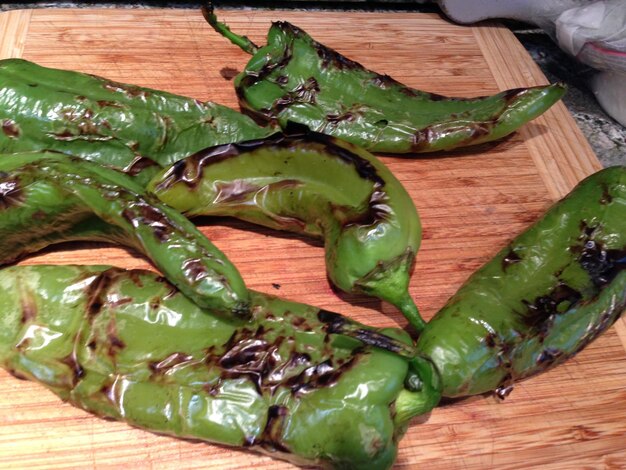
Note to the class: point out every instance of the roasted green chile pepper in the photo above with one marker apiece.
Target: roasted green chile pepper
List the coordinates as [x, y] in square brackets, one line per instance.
[125, 345]
[123, 126]
[296, 79]
[47, 198]
[544, 297]
[316, 185]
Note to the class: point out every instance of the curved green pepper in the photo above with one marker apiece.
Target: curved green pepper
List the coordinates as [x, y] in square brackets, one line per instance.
[316, 185]
[550, 292]
[125, 345]
[123, 126]
[296, 79]
[48, 198]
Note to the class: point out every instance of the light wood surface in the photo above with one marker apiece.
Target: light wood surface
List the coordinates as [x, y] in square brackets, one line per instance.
[471, 203]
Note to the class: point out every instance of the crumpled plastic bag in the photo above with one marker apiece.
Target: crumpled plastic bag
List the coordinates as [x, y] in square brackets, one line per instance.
[593, 31]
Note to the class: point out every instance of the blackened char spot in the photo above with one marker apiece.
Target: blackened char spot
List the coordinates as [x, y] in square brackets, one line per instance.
[194, 269]
[330, 57]
[142, 213]
[319, 376]
[606, 197]
[334, 321]
[10, 128]
[602, 264]
[139, 164]
[97, 290]
[213, 388]
[337, 118]
[108, 391]
[510, 258]
[130, 91]
[505, 388]
[490, 340]
[541, 309]
[271, 437]
[72, 362]
[29, 308]
[108, 104]
[11, 193]
[306, 92]
[548, 356]
[115, 343]
[513, 94]
[337, 324]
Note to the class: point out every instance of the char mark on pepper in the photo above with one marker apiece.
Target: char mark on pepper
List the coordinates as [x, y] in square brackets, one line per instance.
[11, 193]
[305, 93]
[29, 307]
[271, 437]
[142, 213]
[602, 264]
[77, 370]
[97, 290]
[512, 257]
[11, 129]
[539, 311]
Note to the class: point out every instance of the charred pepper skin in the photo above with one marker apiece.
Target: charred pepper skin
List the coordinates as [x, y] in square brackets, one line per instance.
[543, 298]
[48, 198]
[315, 185]
[126, 127]
[296, 79]
[126, 345]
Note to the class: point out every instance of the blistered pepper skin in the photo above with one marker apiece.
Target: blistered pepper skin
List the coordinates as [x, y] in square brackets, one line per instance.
[123, 126]
[316, 185]
[296, 79]
[543, 298]
[126, 345]
[48, 198]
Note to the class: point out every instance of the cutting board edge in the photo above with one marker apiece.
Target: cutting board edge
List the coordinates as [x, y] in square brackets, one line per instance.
[558, 175]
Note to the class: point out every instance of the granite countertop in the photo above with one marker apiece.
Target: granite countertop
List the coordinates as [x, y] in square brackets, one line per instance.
[606, 136]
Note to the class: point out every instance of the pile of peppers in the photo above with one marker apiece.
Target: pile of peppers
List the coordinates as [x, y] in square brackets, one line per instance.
[86, 158]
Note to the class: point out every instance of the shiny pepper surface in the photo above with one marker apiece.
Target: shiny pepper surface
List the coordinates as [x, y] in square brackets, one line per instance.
[125, 345]
[295, 79]
[48, 198]
[543, 298]
[316, 185]
[123, 126]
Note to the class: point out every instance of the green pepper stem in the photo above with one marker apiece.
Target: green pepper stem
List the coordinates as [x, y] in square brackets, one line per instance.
[411, 313]
[422, 391]
[243, 42]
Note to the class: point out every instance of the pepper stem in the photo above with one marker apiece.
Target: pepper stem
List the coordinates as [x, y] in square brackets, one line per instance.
[243, 42]
[411, 313]
[422, 391]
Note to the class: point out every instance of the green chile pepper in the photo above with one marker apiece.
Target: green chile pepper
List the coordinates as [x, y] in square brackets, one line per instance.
[312, 184]
[296, 79]
[123, 126]
[48, 198]
[125, 345]
[550, 292]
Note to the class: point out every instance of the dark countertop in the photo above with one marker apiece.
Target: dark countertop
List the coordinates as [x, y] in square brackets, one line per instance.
[606, 136]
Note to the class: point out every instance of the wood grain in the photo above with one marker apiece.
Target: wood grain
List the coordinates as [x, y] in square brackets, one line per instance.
[471, 202]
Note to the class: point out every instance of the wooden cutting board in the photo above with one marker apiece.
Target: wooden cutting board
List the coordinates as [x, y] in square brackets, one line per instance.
[471, 203]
